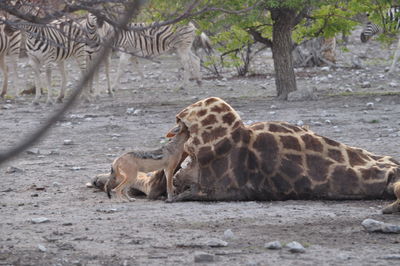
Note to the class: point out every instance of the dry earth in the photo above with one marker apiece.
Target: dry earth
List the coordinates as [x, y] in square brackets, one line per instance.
[85, 228]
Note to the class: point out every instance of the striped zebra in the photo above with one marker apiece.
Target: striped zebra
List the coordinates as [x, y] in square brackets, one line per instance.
[391, 22]
[10, 41]
[56, 42]
[155, 41]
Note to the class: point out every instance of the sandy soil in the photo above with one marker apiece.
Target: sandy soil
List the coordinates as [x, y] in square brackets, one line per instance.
[85, 228]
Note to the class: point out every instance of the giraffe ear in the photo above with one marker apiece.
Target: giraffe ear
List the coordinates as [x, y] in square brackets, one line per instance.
[173, 132]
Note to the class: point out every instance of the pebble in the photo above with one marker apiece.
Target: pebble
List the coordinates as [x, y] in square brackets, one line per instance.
[328, 122]
[372, 225]
[273, 245]
[68, 142]
[42, 248]
[39, 220]
[228, 234]
[391, 257]
[295, 247]
[370, 105]
[138, 112]
[130, 111]
[300, 123]
[366, 84]
[12, 169]
[201, 257]
[33, 151]
[216, 243]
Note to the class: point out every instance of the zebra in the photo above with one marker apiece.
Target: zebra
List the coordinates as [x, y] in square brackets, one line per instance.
[154, 41]
[391, 22]
[392, 19]
[56, 42]
[10, 42]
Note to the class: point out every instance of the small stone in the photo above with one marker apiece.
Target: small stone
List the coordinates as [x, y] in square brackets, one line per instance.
[137, 112]
[393, 84]
[273, 107]
[366, 84]
[228, 234]
[130, 111]
[68, 142]
[42, 248]
[300, 123]
[89, 185]
[34, 151]
[12, 169]
[372, 225]
[370, 105]
[273, 245]
[67, 224]
[391, 257]
[40, 220]
[349, 90]
[295, 247]
[272, 113]
[56, 184]
[216, 243]
[201, 257]
[328, 122]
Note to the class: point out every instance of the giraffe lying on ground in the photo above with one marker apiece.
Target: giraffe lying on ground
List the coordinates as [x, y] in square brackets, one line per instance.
[125, 169]
[273, 161]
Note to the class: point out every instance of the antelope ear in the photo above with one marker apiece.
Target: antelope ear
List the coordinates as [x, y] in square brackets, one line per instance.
[173, 132]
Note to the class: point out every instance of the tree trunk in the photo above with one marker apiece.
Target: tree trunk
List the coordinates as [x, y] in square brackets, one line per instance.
[285, 79]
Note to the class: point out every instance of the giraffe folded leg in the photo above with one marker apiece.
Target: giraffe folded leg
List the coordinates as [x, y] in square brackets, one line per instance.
[193, 193]
[395, 206]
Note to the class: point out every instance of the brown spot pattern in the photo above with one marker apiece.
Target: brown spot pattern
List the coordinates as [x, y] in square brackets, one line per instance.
[278, 128]
[268, 149]
[202, 112]
[290, 142]
[214, 134]
[294, 158]
[317, 167]
[354, 158]
[222, 147]
[221, 108]
[281, 185]
[220, 166]
[344, 180]
[194, 129]
[209, 120]
[312, 143]
[210, 101]
[331, 142]
[336, 155]
[228, 118]
[258, 126]
[205, 155]
[291, 169]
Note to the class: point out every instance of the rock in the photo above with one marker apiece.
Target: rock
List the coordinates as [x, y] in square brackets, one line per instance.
[138, 112]
[112, 210]
[304, 94]
[68, 142]
[300, 123]
[370, 105]
[273, 245]
[216, 243]
[12, 169]
[390, 257]
[89, 185]
[366, 84]
[34, 151]
[295, 247]
[273, 107]
[372, 225]
[393, 84]
[42, 248]
[201, 257]
[228, 234]
[328, 122]
[40, 220]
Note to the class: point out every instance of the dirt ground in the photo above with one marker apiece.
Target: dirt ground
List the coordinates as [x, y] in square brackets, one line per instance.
[360, 107]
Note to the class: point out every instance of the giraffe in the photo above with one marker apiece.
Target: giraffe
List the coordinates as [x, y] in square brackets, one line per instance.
[228, 160]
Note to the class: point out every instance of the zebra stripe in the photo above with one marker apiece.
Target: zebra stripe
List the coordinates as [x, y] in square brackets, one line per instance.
[154, 41]
[56, 42]
[10, 41]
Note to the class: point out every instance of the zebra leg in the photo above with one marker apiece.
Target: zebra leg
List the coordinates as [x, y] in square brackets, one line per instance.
[195, 63]
[61, 67]
[395, 58]
[5, 75]
[107, 70]
[184, 55]
[17, 83]
[135, 61]
[123, 61]
[36, 69]
[49, 100]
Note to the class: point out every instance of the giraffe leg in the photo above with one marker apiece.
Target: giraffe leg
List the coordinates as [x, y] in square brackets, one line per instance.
[395, 206]
[193, 193]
